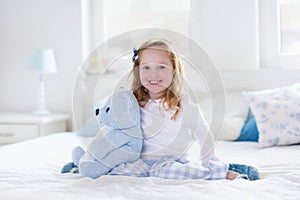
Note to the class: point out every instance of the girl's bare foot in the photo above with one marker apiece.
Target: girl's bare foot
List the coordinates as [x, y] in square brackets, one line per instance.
[231, 175]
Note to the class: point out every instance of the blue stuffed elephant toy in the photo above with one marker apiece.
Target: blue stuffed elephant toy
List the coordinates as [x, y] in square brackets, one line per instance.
[118, 141]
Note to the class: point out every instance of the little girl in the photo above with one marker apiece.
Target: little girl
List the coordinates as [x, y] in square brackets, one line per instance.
[169, 119]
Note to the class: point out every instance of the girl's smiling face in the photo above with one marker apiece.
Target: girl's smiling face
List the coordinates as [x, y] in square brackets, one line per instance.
[156, 71]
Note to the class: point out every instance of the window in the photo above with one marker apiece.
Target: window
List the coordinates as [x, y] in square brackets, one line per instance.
[103, 19]
[107, 18]
[289, 26]
[280, 33]
[121, 16]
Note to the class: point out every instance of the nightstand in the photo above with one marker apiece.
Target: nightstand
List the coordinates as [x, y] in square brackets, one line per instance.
[15, 127]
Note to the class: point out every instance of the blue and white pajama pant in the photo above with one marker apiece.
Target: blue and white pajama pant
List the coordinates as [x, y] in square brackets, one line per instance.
[172, 169]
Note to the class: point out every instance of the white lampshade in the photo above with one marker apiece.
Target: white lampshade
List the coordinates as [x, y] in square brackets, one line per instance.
[42, 61]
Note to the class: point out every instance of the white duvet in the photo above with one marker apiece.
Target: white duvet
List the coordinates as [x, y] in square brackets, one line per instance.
[31, 170]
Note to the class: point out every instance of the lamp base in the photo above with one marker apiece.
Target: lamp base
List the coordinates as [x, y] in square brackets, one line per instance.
[41, 108]
[41, 112]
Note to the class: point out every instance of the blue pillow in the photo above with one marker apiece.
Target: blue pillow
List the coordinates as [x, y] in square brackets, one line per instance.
[249, 131]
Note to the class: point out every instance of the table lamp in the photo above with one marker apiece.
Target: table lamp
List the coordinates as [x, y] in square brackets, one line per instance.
[43, 62]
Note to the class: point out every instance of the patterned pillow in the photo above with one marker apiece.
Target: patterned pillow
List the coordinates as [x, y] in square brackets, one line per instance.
[277, 113]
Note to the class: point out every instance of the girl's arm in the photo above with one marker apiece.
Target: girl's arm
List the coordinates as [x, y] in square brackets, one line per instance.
[205, 138]
[200, 128]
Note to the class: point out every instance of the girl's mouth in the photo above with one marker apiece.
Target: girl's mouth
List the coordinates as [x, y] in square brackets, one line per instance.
[155, 81]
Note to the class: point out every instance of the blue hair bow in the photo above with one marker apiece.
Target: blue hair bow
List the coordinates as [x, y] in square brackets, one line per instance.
[135, 54]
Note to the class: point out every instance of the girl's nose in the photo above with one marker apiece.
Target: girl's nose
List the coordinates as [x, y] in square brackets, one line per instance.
[154, 72]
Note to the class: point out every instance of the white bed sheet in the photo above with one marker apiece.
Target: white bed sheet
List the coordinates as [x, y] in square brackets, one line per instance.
[31, 170]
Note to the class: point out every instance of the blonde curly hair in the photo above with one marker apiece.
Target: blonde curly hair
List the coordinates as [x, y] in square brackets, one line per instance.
[172, 95]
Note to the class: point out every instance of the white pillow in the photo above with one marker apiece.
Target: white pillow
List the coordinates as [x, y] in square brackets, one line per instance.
[277, 114]
[236, 112]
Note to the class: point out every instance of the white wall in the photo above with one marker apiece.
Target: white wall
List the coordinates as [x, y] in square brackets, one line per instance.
[31, 24]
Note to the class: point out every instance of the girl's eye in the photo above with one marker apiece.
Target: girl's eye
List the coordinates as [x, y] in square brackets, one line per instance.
[161, 67]
[107, 109]
[146, 67]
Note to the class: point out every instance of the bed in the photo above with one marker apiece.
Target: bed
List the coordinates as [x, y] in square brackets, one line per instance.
[31, 170]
